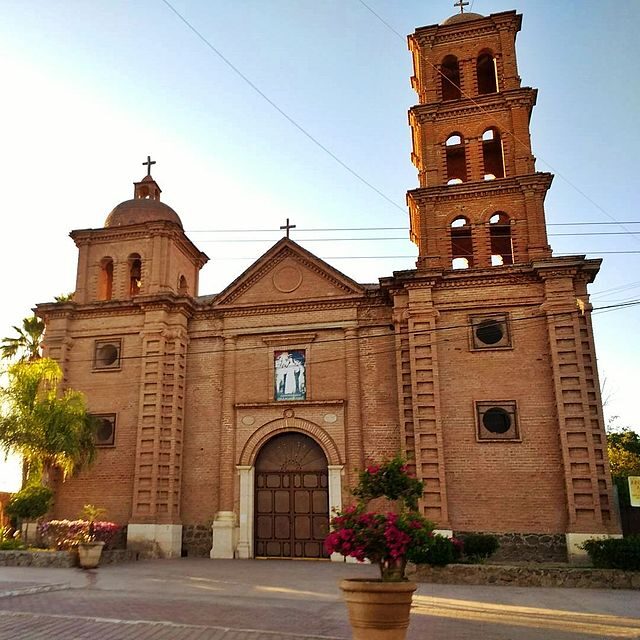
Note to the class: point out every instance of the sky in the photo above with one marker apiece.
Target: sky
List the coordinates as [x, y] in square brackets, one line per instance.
[91, 87]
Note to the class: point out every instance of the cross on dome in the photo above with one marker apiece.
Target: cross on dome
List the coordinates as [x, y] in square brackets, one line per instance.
[461, 4]
[148, 164]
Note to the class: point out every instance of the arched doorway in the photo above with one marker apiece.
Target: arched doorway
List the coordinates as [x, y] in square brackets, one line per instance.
[291, 498]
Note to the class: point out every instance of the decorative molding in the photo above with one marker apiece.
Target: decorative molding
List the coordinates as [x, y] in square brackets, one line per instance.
[282, 404]
[498, 102]
[290, 338]
[284, 425]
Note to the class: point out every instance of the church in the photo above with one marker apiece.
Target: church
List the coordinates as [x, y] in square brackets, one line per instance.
[232, 424]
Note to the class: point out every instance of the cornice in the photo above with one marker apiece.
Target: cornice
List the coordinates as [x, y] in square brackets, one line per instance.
[110, 308]
[538, 181]
[440, 279]
[143, 231]
[287, 307]
[481, 105]
[567, 267]
[437, 34]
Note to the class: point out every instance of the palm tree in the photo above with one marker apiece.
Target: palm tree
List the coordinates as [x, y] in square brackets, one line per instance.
[26, 344]
[49, 428]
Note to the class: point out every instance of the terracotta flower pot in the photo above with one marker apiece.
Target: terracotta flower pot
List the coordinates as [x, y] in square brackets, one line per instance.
[89, 554]
[378, 610]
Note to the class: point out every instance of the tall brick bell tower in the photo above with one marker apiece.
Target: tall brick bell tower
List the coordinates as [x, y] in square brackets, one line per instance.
[499, 396]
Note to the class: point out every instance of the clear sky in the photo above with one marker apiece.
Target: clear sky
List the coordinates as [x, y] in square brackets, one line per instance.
[89, 88]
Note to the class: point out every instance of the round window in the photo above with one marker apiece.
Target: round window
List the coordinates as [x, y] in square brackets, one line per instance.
[490, 331]
[107, 355]
[104, 433]
[496, 420]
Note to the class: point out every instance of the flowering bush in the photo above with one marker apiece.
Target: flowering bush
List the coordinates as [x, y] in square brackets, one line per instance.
[389, 539]
[65, 535]
[391, 480]
[382, 538]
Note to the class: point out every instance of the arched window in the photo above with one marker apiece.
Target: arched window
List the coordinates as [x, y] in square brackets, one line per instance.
[450, 79]
[500, 235]
[461, 244]
[183, 289]
[105, 282]
[135, 274]
[487, 73]
[456, 160]
[492, 154]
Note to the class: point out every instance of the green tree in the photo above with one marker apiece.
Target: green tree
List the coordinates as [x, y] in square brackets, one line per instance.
[623, 446]
[49, 427]
[26, 345]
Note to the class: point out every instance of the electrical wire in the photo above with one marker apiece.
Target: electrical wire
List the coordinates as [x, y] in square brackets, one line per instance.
[281, 111]
[514, 321]
[506, 127]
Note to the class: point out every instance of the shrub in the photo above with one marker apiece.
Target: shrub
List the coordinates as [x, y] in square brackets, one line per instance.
[65, 535]
[614, 553]
[480, 546]
[438, 551]
[9, 542]
[30, 503]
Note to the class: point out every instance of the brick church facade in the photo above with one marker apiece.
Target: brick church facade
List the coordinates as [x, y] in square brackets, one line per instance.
[245, 415]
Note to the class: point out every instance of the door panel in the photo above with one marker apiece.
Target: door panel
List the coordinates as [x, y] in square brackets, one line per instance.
[292, 501]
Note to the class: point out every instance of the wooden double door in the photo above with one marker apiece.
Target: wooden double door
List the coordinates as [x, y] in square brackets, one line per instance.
[291, 498]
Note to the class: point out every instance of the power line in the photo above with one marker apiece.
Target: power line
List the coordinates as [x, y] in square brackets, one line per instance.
[506, 130]
[413, 257]
[323, 229]
[281, 111]
[516, 321]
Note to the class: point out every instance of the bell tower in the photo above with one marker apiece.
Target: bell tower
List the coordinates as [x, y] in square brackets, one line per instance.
[499, 399]
[480, 202]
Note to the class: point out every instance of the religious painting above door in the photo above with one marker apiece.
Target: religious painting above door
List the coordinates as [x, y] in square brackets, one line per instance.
[290, 375]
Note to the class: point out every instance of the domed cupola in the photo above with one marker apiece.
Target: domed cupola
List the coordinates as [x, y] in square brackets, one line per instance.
[145, 205]
[461, 17]
[142, 250]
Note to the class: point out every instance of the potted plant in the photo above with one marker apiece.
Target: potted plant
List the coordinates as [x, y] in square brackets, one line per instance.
[90, 549]
[389, 538]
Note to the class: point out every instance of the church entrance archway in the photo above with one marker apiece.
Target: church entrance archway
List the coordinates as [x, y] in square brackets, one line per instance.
[291, 498]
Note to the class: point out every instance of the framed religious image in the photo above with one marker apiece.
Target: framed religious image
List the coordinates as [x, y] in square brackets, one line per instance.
[290, 375]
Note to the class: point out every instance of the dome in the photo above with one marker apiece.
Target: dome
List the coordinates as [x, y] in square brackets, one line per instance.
[461, 17]
[140, 210]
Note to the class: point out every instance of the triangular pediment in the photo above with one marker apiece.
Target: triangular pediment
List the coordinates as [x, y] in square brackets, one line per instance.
[287, 272]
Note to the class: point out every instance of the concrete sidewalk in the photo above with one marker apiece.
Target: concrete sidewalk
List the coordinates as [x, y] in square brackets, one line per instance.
[273, 599]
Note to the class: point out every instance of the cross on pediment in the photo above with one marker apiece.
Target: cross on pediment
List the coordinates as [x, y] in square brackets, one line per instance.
[288, 227]
[148, 164]
[461, 4]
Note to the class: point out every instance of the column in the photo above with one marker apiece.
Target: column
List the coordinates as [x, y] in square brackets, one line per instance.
[224, 524]
[353, 427]
[335, 497]
[247, 492]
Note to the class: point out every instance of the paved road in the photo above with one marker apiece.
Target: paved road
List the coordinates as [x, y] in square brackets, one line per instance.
[192, 599]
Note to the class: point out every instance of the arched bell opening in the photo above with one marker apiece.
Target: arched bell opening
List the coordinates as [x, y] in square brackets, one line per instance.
[135, 274]
[105, 285]
[501, 240]
[461, 244]
[450, 78]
